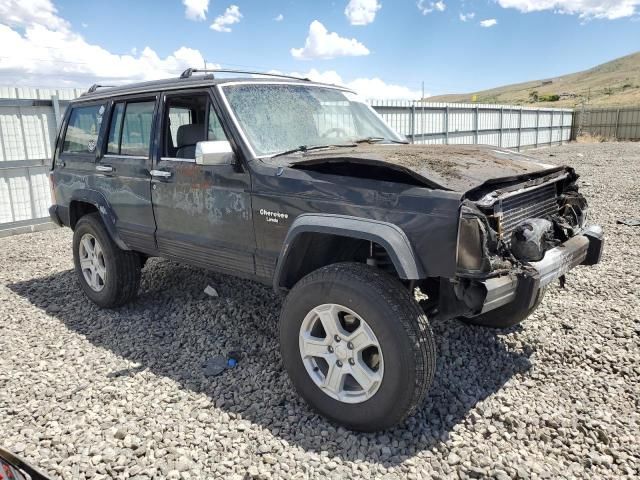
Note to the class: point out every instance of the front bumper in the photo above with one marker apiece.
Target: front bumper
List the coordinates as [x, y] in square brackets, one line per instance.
[583, 249]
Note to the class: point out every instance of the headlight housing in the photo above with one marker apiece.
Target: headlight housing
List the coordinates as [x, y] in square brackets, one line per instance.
[471, 251]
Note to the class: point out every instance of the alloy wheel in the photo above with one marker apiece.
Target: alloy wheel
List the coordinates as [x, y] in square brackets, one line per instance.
[92, 262]
[341, 353]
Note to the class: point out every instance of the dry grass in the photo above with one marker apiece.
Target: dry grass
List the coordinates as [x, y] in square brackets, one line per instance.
[592, 138]
[614, 83]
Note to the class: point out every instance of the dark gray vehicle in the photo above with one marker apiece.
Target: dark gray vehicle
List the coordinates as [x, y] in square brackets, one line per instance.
[303, 186]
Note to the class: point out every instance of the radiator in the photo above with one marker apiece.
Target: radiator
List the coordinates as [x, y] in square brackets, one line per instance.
[540, 202]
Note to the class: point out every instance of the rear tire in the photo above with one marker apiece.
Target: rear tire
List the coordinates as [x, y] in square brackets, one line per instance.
[109, 276]
[506, 316]
[398, 338]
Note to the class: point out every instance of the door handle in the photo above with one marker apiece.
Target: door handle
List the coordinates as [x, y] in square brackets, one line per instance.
[104, 168]
[160, 173]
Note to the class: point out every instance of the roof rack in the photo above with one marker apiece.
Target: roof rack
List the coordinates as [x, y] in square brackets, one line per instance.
[96, 86]
[190, 71]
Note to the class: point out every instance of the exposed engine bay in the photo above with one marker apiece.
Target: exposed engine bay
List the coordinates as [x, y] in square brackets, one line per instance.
[527, 235]
[522, 221]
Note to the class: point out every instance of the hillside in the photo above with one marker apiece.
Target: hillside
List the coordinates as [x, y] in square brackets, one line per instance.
[614, 83]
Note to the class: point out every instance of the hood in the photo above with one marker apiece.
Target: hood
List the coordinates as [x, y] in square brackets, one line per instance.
[448, 167]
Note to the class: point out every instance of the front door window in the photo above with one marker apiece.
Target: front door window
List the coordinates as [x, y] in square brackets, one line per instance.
[189, 119]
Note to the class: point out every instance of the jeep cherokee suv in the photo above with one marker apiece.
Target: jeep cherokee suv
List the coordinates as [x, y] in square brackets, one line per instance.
[303, 186]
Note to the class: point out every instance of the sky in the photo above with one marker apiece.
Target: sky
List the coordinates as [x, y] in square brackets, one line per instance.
[380, 48]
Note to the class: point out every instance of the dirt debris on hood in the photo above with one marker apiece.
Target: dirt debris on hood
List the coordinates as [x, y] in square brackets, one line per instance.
[454, 167]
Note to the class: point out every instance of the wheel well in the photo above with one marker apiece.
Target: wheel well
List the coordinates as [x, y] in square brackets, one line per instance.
[312, 250]
[78, 209]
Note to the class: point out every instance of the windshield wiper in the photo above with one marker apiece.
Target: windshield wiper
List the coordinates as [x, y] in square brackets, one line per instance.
[377, 140]
[352, 143]
[306, 148]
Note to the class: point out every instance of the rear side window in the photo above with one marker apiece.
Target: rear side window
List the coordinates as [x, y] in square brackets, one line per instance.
[130, 130]
[83, 129]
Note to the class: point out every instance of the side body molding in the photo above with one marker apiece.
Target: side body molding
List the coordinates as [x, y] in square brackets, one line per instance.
[106, 212]
[387, 235]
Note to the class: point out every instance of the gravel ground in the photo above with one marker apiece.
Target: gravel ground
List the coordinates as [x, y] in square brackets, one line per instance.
[90, 393]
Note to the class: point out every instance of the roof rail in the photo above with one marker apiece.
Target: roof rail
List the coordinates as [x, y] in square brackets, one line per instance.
[96, 86]
[190, 71]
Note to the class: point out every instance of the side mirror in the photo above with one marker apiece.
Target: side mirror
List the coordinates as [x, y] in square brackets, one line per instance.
[218, 152]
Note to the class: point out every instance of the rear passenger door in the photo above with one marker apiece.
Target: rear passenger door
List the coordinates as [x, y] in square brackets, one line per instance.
[202, 212]
[122, 172]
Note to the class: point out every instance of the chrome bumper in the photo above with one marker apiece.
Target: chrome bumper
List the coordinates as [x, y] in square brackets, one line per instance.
[583, 249]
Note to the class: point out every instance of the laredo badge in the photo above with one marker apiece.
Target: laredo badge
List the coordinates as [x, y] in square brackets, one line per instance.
[273, 217]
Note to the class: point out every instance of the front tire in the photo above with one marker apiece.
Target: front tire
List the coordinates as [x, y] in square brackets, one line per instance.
[357, 346]
[109, 276]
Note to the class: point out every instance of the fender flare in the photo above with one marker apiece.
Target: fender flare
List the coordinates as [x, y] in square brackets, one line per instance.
[389, 236]
[105, 210]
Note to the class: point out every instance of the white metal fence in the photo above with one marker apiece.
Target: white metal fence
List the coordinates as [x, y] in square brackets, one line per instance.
[505, 126]
[29, 119]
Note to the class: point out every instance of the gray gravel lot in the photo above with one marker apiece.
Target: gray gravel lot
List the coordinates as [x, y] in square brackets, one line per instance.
[90, 393]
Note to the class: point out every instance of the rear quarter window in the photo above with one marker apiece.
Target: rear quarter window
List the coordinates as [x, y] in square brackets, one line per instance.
[83, 129]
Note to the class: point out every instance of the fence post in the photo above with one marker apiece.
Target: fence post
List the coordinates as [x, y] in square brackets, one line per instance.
[446, 125]
[501, 124]
[413, 122]
[476, 123]
[617, 124]
[537, 125]
[23, 134]
[55, 103]
[519, 129]
[32, 202]
[574, 121]
[551, 129]
[4, 156]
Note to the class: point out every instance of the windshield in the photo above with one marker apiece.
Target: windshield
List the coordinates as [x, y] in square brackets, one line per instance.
[279, 117]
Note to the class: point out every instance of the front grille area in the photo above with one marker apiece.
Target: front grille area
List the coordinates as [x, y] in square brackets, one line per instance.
[540, 202]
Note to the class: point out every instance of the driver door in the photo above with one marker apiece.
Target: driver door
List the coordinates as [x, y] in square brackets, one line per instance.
[202, 212]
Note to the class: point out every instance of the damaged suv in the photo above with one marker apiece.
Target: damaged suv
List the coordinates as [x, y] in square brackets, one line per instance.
[304, 187]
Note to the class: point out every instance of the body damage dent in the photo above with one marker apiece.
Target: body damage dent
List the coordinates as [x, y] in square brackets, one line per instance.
[464, 168]
[332, 166]
[570, 220]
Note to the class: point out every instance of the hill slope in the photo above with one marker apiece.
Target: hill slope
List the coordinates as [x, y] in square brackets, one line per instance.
[615, 83]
